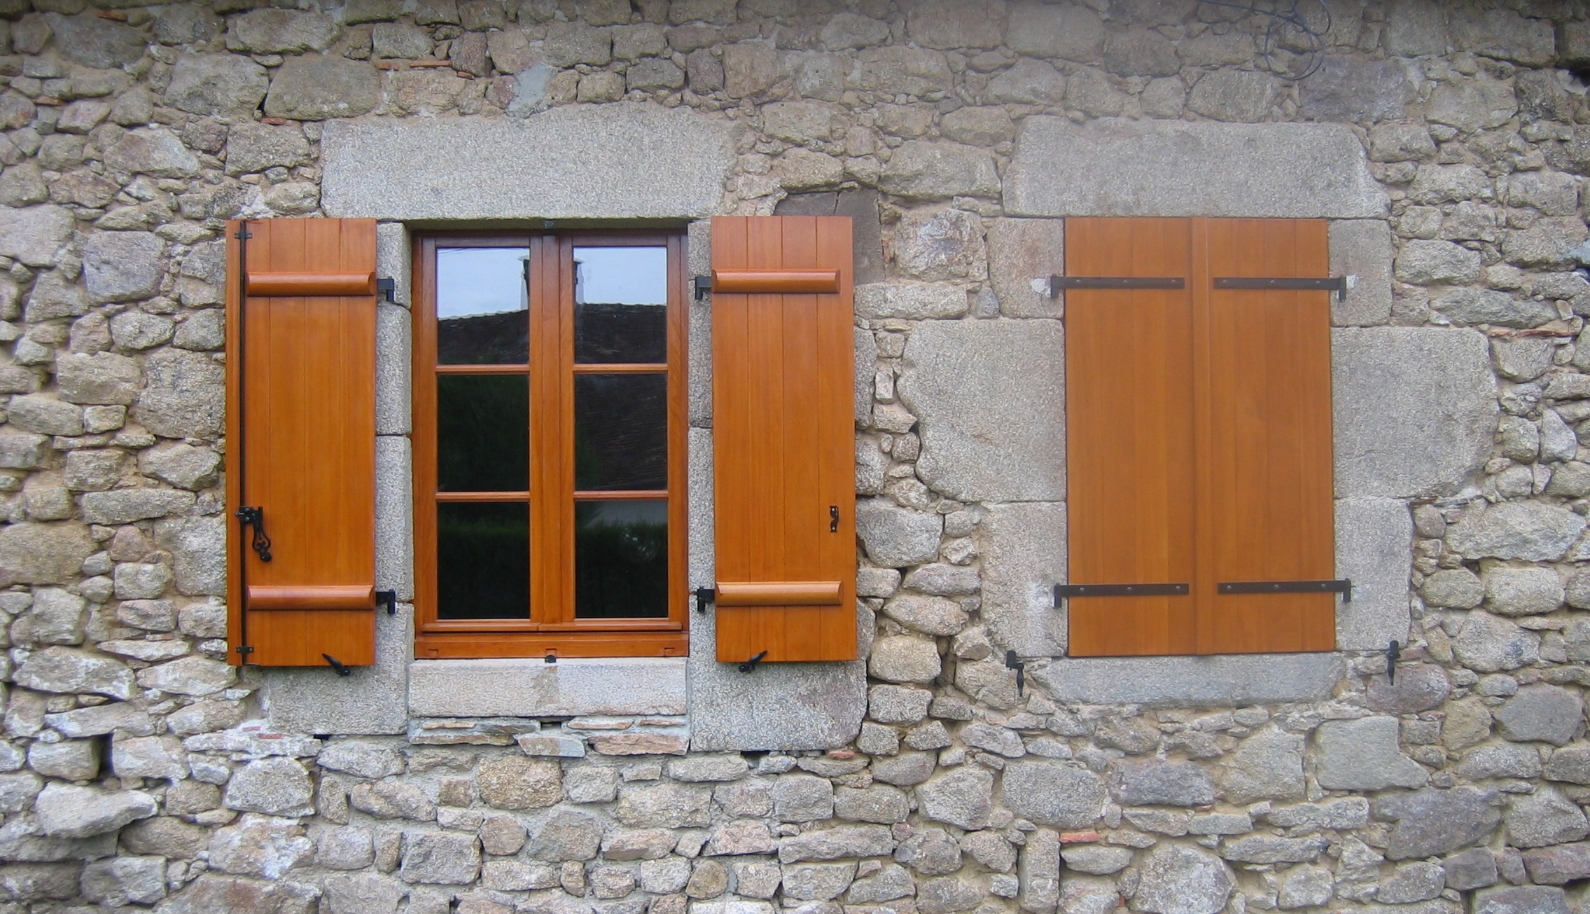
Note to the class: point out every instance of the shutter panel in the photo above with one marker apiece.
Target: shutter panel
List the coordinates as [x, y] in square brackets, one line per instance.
[1265, 486]
[301, 440]
[783, 438]
[1129, 436]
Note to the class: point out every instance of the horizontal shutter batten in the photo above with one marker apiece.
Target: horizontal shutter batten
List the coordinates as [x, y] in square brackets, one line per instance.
[310, 284]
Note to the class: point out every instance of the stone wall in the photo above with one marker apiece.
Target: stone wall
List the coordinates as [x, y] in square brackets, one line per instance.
[1447, 141]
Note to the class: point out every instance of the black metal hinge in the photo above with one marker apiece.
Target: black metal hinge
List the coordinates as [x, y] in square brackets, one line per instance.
[703, 286]
[387, 598]
[1393, 654]
[1013, 663]
[1067, 591]
[244, 649]
[388, 289]
[1337, 284]
[338, 665]
[255, 517]
[1343, 587]
[705, 595]
[1056, 283]
[749, 666]
[243, 234]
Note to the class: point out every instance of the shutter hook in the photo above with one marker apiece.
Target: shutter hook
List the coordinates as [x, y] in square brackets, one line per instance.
[750, 665]
[338, 665]
[1011, 663]
[833, 518]
[1393, 654]
[255, 517]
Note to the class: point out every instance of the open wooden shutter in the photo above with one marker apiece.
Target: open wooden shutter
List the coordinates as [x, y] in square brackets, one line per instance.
[1129, 436]
[1198, 438]
[301, 441]
[1264, 458]
[783, 438]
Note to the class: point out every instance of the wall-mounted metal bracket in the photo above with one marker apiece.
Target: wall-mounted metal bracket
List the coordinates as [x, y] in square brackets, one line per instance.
[387, 598]
[1014, 663]
[388, 289]
[244, 650]
[1337, 284]
[551, 657]
[705, 595]
[1343, 587]
[749, 666]
[1067, 591]
[703, 286]
[1057, 283]
[338, 665]
[1393, 654]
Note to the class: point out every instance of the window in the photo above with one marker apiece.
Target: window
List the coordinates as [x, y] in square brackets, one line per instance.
[549, 436]
[1198, 429]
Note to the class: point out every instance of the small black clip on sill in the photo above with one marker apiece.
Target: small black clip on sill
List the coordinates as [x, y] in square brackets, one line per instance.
[338, 665]
[705, 595]
[255, 517]
[1393, 654]
[703, 286]
[387, 598]
[551, 657]
[749, 666]
[388, 289]
[1013, 663]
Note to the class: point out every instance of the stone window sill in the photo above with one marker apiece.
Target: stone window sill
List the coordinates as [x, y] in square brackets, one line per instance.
[1230, 680]
[533, 688]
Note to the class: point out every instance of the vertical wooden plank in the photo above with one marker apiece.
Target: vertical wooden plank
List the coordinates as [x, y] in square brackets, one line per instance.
[1266, 511]
[236, 634]
[1129, 435]
[423, 397]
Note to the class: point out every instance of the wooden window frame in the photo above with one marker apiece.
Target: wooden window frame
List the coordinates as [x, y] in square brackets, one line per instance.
[550, 628]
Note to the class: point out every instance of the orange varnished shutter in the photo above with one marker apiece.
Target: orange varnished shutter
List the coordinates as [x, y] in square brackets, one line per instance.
[1264, 456]
[783, 438]
[1129, 436]
[301, 310]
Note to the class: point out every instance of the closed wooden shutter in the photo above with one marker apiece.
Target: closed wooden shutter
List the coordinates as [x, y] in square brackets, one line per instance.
[301, 441]
[1198, 438]
[783, 438]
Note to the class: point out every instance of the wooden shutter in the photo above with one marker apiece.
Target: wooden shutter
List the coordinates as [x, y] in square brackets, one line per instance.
[783, 438]
[301, 440]
[1198, 437]
[1129, 435]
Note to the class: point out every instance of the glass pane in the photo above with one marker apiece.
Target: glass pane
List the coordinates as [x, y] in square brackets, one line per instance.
[483, 561]
[482, 301]
[620, 432]
[620, 305]
[483, 433]
[621, 560]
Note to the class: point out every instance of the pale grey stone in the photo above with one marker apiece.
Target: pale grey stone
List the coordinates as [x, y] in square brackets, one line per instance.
[878, 803]
[1362, 248]
[181, 465]
[1029, 82]
[938, 171]
[52, 298]
[487, 688]
[1543, 713]
[1524, 899]
[444, 858]
[1415, 410]
[1557, 865]
[1374, 538]
[141, 581]
[94, 42]
[1182, 880]
[125, 880]
[887, 884]
[123, 506]
[1223, 681]
[1265, 849]
[1471, 869]
[102, 378]
[935, 246]
[943, 580]
[217, 893]
[46, 415]
[64, 811]
[982, 437]
[902, 658]
[1113, 167]
[962, 797]
[929, 615]
[1023, 254]
[1043, 30]
[216, 84]
[1052, 793]
[1355, 89]
[153, 151]
[1486, 306]
[1513, 591]
[1157, 782]
[1472, 104]
[252, 147]
[316, 87]
[1558, 443]
[633, 161]
[1543, 818]
[893, 704]
[21, 450]
[182, 396]
[275, 786]
[198, 556]
[1499, 760]
[33, 234]
[802, 798]
[1305, 886]
[1419, 687]
[1431, 821]
[269, 31]
[70, 760]
[1266, 766]
[1233, 95]
[897, 536]
[1364, 754]
[1400, 142]
[817, 881]
[148, 757]
[1532, 531]
[1429, 263]
[260, 846]
[137, 330]
[65, 670]
[99, 720]
[912, 301]
[1097, 860]
[837, 843]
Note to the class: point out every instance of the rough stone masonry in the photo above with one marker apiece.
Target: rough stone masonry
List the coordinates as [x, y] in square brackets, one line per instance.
[1449, 143]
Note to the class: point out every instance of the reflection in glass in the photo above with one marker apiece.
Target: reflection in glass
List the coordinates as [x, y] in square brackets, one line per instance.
[620, 432]
[482, 433]
[620, 305]
[621, 560]
[482, 303]
[482, 561]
